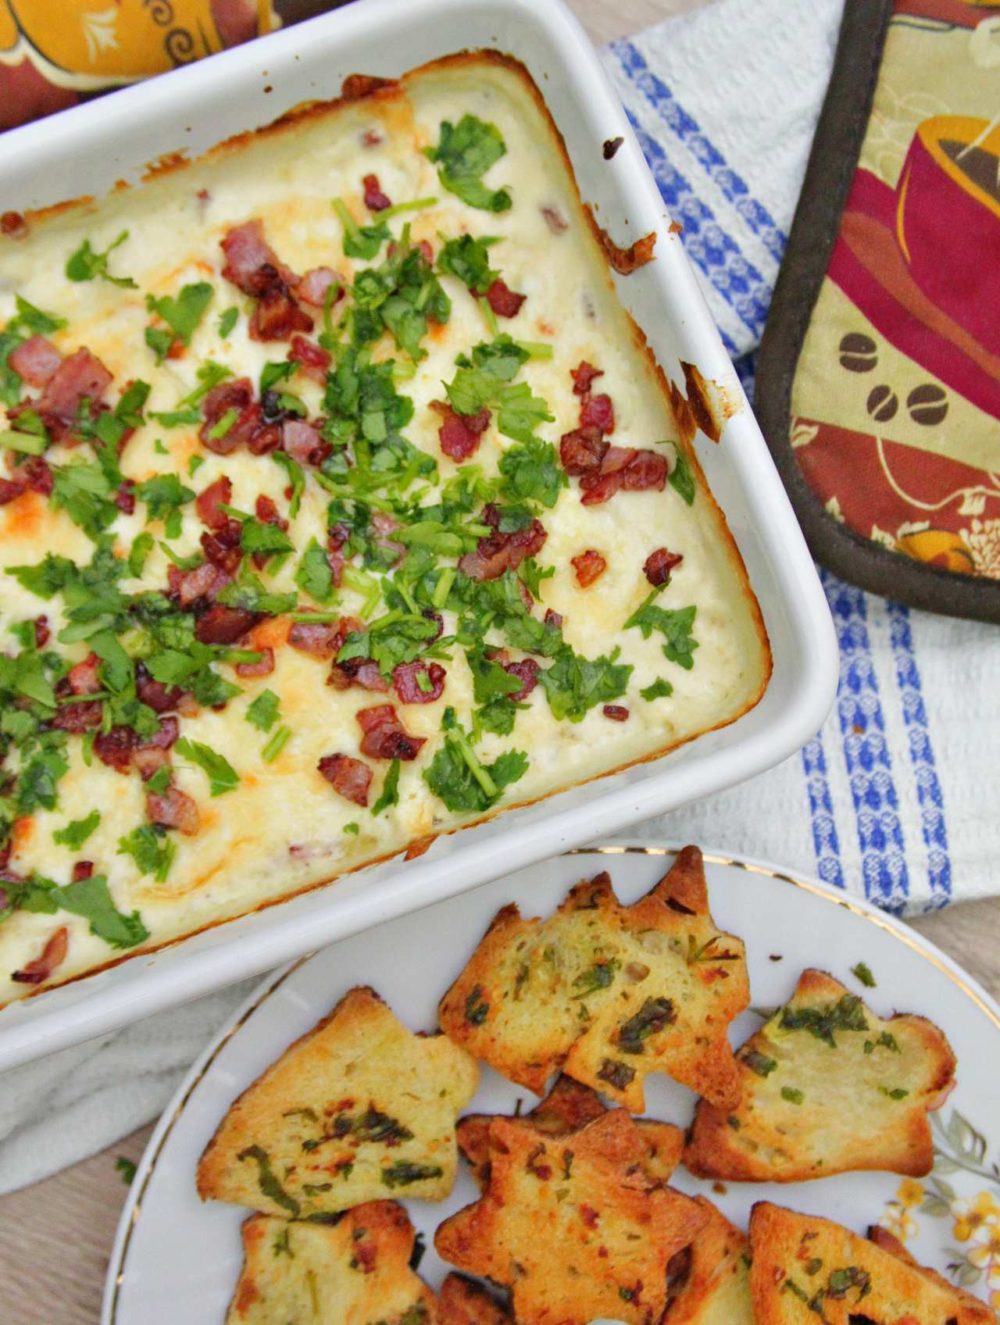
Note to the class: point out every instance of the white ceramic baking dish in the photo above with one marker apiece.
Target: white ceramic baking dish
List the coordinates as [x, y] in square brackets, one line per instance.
[84, 151]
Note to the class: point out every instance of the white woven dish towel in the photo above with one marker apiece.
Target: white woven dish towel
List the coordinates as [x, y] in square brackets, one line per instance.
[896, 796]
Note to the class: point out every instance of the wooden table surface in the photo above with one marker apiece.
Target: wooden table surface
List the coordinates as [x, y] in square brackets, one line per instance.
[56, 1236]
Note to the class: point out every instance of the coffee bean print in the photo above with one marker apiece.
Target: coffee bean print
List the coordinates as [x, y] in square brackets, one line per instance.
[882, 403]
[928, 404]
[858, 353]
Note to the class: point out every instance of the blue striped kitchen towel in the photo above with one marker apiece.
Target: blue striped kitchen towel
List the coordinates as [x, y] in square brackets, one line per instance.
[896, 797]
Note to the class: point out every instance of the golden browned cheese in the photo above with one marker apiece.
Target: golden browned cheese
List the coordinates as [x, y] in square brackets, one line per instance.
[283, 828]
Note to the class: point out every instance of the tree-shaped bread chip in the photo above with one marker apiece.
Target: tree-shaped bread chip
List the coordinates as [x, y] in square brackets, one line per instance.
[712, 1285]
[568, 1107]
[358, 1109]
[572, 1224]
[606, 992]
[810, 1271]
[462, 1301]
[354, 1272]
[826, 1086]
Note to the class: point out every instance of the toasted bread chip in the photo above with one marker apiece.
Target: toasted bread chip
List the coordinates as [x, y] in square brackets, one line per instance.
[806, 1269]
[573, 1225]
[462, 1301]
[827, 1087]
[358, 1109]
[713, 1286]
[354, 1272]
[568, 1107]
[607, 993]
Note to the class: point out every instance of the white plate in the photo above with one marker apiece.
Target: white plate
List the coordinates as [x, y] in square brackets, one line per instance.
[86, 149]
[176, 1259]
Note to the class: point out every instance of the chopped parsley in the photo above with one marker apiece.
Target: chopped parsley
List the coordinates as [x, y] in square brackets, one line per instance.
[275, 745]
[759, 1063]
[682, 478]
[654, 1016]
[91, 899]
[314, 575]
[477, 1009]
[660, 689]
[263, 711]
[674, 624]
[463, 154]
[532, 472]
[458, 777]
[222, 777]
[360, 241]
[151, 849]
[404, 1172]
[227, 321]
[847, 1014]
[164, 495]
[574, 685]
[267, 1180]
[390, 789]
[863, 973]
[87, 265]
[75, 833]
[181, 314]
[792, 1095]
[468, 258]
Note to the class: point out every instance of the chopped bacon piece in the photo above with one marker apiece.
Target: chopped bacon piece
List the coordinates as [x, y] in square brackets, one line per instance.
[351, 777]
[623, 468]
[80, 377]
[36, 474]
[224, 625]
[191, 586]
[384, 525]
[83, 678]
[42, 632]
[11, 489]
[589, 566]
[223, 546]
[555, 220]
[583, 375]
[302, 441]
[115, 747]
[314, 284]
[251, 263]
[385, 737]
[165, 737]
[266, 511]
[52, 955]
[526, 671]
[322, 639]
[582, 451]
[460, 434]
[647, 469]
[375, 199]
[418, 682]
[616, 712]
[13, 225]
[502, 552]
[277, 315]
[659, 564]
[371, 138]
[210, 499]
[363, 672]
[82, 869]
[125, 496]
[264, 665]
[597, 412]
[504, 301]
[35, 360]
[157, 696]
[77, 717]
[236, 395]
[553, 619]
[312, 359]
[173, 808]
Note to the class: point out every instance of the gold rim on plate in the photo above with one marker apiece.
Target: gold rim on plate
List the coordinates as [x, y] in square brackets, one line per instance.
[912, 941]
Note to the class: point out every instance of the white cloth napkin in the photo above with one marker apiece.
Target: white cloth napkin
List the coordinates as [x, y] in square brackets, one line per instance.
[894, 797]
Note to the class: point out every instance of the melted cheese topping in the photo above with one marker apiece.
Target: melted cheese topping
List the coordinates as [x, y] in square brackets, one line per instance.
[283, 828]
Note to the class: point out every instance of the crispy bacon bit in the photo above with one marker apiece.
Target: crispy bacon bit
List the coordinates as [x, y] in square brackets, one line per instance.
[125, 496]
[13, 225]
[504, 301]
[322, 639]
[350, 777]
[460, 434]
[173, 808]
[597, 412]
[266, 511]
[35, 360]
[659, 564]
[83, 676]
[581, 451]
[302, 442]
[115, 747]
[418, 682]
[264, 665]
[222, 546]
[583, 375]
[80, 377]
[363, 672]
[82, 869]
[11, 489]
[616, 712]
[277, 316]
[312, 359]
[611, 146]
[157, 696]
[201, 584]
[36, 475]
[589, 566]
[553, 619]
[375, 199]
[314, 284]
[555, 220]
[502, 552]
[235, 395]
[371, 138]
[224, 625]
[526, 671]
[251, 262]
[52, 955]
[624, 260]
[209, 501]
[42, 631]
[385, 737]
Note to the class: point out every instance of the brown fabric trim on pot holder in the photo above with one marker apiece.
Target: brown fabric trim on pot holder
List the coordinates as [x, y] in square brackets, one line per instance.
[878, 378]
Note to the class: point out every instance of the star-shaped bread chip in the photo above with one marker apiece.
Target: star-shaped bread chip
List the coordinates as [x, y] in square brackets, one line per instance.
[806, 1270]
[711, 1283]
[826, 1086]
[462, 1301]
[573, 1225]
[354, 1272]
[358, 1109]
[568, 1107]
[607, 993]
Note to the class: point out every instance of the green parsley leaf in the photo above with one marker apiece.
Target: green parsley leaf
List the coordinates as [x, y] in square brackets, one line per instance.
[468, 258]
[463, 155]
[314, 575]
[458, 777]
[249, 593]
[574, 685]
[260, 536]
[222, 776]
[674, 624]
[227, 321]
[75, 833]
[275, 745]
[90, 898]
[263, 711]
[360, 241]
[660, 689]
[34, 320]
[126, 1168]
[139, 551]
[792, 1095]
[151, 849]
[164, 495]
[390, 789]
[532, 471]
[863, 973]
[82, 490]
[296, 478]
[182, 315]
[86, 264]
[682, 478]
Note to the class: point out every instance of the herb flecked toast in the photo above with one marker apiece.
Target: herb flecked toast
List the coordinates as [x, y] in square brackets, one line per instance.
[712, 1286]
[354, 1272]
[573, 1225]
[358, 1109]
[806, 1270]
[827, 1087]
[462, 1301]
[608, 993]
